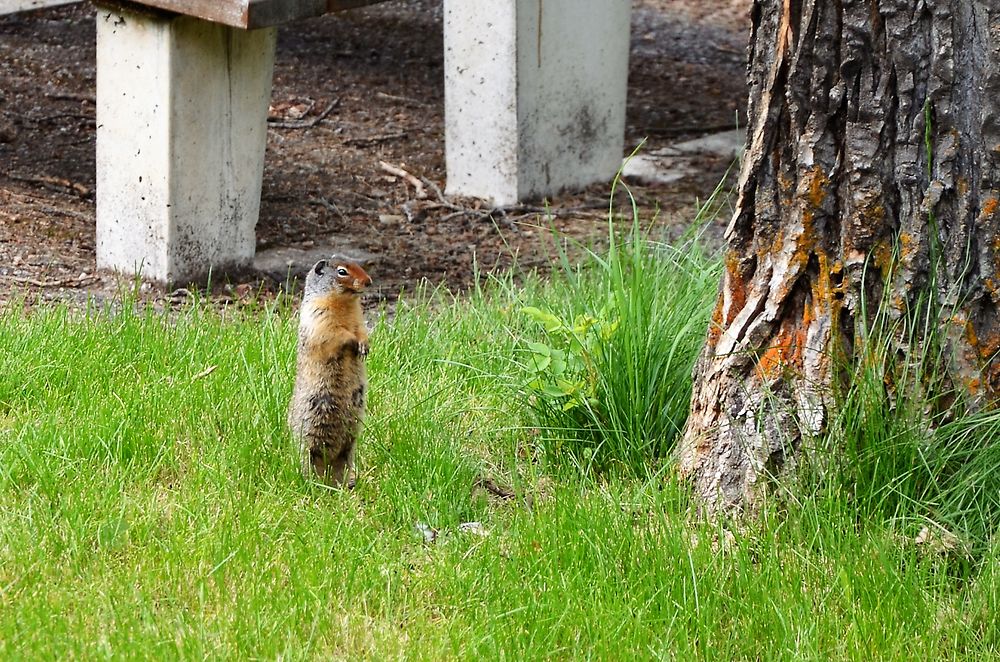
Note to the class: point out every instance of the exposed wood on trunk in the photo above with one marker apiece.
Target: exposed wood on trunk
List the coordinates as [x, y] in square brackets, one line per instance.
[836, 177]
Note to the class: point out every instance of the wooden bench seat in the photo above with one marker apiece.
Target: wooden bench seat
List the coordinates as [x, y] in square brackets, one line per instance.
[251, 14]
[245, 14]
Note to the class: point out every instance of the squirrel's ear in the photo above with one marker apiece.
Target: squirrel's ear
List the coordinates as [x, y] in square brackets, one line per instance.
[319, 267]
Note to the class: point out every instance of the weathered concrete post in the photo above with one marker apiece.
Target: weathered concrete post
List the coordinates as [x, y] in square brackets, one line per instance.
[181, 130]
[534, 95]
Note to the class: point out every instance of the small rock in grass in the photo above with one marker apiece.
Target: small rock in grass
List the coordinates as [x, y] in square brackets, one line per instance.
[428, 533]
[939, 540]
[475, 528]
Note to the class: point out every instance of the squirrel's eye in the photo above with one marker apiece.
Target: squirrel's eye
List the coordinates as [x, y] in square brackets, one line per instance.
[341, 271]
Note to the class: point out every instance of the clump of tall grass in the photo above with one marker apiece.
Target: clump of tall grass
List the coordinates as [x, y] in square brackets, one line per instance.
[609, 369]
[910, 444]
[904, 443]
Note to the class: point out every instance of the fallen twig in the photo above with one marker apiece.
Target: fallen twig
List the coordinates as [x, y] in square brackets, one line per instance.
[417, 185]
[69, 96]
[460, 212]
[52, 181]
[204, 373]
[365, 141]
[80, 280]
[27, 206]
[61, 116]
[329, 206]
[66, 212]
[494, 488]
[521, 211]
[440, 196]
[396, 97]
[304, 124]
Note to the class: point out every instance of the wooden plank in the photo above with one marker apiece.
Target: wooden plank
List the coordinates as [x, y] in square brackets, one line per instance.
[265, 13]
[12, 6]
[246, 14]
[227, 12]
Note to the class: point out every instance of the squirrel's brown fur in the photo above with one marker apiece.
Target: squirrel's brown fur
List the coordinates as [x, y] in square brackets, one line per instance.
[328, 402]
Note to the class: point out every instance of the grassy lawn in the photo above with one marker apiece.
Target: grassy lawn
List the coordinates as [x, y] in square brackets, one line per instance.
[151, 507]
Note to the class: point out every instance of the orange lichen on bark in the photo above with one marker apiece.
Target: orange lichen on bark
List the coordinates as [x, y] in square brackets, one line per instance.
[815, 194]
[731, 299]
[990, 369]
[991, 287]
[973, 385]
[970, 334]
[735, 288]
[772, 361]
[825, 295]
[818, 182]
[875, 213]
[822, 287]
[715, 324]
[785, 353]
[800, 244]
[776, 244]
[968, 353]
[990, 207]
[882, 256]
[803, 328]
[988, 347]
[803, 248]
[907, 247]
[989, 351]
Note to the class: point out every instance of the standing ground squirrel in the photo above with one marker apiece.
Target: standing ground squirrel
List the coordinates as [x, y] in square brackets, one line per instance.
[328, 403]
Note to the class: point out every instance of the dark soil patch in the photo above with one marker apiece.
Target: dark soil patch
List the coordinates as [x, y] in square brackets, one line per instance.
[381, 68]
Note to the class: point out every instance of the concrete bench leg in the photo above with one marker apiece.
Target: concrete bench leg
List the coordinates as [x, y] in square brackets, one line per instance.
[534, 95]
[181, 130]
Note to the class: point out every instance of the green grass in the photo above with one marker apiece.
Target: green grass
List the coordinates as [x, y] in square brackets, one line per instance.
[611, 366]
[904, 444]
[152, 509]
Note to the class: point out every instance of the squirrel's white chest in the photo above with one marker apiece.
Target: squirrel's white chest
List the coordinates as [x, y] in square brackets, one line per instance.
[310, 320]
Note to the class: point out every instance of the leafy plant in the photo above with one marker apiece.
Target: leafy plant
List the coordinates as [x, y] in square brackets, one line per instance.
[563, 368]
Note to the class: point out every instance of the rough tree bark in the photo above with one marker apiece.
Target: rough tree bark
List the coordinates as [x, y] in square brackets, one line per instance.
[842, 168]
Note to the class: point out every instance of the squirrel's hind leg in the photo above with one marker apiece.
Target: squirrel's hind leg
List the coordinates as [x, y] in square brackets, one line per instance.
[341, 469]
[335, 467]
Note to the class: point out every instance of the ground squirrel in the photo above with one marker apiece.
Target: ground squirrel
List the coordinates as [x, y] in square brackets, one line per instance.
[328, 403]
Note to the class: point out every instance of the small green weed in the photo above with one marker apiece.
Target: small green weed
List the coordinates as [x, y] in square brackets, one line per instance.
[564, 369]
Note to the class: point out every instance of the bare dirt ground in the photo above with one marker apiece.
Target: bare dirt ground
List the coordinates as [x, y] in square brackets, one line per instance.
[378, 72]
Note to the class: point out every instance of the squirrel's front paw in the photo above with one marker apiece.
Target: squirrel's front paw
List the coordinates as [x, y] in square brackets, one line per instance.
[363, 349]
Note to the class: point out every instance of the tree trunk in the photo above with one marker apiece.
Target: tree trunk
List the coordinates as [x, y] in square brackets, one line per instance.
[874, 127]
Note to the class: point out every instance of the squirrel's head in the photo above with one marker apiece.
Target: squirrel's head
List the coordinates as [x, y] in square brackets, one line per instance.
[336, 275]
